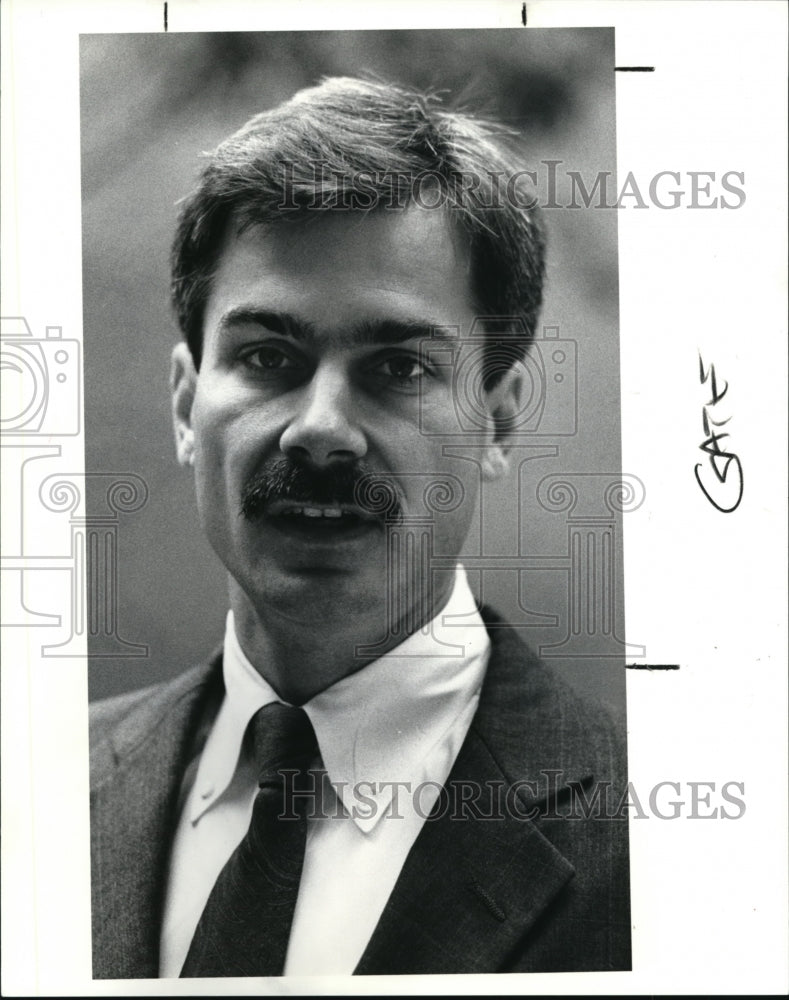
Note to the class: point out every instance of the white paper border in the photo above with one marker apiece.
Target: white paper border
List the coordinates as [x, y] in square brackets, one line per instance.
[704, 589]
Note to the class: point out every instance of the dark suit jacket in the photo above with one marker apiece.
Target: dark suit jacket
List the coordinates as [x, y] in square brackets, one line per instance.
[505, 894]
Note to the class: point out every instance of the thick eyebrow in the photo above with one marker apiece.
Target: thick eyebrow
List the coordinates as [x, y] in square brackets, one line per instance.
[277, 322]
[395, 331]
[368, 332]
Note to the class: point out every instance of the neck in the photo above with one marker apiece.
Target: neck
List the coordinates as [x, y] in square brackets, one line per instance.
[301, 657]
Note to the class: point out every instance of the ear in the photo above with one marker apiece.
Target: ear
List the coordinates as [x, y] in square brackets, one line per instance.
[505, 403]
[183, 384]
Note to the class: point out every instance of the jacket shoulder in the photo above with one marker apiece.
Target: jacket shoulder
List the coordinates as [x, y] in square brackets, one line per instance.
[105, 714]
[122, 723]
[536, 712]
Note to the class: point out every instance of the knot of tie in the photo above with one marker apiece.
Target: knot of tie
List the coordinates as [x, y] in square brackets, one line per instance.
[283, 740]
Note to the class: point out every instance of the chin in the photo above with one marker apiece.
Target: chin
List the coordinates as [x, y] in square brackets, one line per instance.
[320, 596]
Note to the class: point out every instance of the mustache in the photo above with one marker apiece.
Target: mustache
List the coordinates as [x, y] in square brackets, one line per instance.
[343, 484]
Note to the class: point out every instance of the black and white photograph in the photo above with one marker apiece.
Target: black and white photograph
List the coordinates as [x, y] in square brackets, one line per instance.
[395, 397]
[390, 534]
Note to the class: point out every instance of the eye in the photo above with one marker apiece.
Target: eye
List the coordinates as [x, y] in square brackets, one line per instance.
[402, 369]
[269, 358]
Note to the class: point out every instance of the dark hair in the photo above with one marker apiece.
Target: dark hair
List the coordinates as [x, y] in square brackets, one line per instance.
[358, 144]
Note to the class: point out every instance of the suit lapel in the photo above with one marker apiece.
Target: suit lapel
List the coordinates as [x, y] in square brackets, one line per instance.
[469, 891]
[472, 888]
[134, 809]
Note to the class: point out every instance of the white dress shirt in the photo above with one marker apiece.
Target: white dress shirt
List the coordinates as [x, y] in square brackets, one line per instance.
[402, 718]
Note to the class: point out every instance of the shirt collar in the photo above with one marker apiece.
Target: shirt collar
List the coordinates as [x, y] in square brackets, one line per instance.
[391, 721]
[246, 691]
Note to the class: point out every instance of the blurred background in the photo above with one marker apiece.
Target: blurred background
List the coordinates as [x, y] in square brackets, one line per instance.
[150, 105]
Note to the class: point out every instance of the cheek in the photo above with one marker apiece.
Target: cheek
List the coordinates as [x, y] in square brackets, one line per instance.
[217, 422]
[437, 413]
[214, 461]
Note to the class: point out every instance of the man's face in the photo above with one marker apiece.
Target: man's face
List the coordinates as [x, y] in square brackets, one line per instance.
[314, 360]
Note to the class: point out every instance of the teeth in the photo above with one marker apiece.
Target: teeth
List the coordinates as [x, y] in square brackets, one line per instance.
[333, 512]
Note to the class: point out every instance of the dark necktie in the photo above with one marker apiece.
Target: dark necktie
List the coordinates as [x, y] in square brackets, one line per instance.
[245, 926]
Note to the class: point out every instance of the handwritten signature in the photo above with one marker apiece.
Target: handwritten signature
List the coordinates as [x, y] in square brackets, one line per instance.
[722, 483]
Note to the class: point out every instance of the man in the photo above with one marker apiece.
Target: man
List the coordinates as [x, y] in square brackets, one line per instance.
[327, 274]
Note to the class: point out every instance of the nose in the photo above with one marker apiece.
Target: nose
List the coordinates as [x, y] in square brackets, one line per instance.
[323, 428]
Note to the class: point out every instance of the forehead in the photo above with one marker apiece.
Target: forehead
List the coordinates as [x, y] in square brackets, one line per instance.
[335, 269]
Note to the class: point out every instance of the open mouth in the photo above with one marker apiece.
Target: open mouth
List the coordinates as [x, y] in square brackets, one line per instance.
[320, 520]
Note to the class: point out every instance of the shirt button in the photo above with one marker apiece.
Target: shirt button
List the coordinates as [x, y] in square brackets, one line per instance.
[206, 793]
